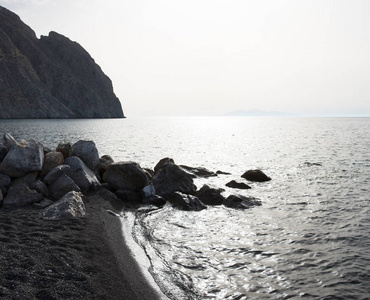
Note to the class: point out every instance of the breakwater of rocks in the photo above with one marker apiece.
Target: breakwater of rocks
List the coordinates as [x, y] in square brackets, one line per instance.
[60, 180]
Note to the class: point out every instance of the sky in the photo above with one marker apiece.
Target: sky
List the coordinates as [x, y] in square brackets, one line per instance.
[212, 57]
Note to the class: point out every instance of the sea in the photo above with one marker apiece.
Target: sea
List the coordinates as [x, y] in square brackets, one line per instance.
[309, 239]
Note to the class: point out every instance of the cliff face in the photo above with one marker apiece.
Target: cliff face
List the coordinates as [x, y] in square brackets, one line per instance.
[50, 77]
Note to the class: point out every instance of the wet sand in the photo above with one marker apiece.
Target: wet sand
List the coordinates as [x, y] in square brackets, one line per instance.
[85, 258]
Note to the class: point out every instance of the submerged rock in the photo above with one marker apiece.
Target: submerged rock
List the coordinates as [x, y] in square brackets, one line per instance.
[198, 171]
[241, 202]
[238, 185]
[171, 178]
[125, 176]
[256, 175]
[210, 196]
[185, 202]
[69, 206]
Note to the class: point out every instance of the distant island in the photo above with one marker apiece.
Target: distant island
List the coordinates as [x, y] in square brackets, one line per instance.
[258, 113]
[50, 77]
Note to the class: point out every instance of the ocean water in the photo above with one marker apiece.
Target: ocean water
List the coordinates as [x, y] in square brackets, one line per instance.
[309, 239]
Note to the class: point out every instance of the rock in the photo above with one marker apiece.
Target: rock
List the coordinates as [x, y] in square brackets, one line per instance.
[129, 196]
[81, 174]
[154, 200]
[40, 187]
[62, 186]
[171, 178]
[241, 202]
[50, 76]
[1, 198]
[163, 162]
[210, 196]
[52, 160]
[185, 202]
[9, 141]
[23, 159]
[65, 149]
[3, 153]
[55, 173]
[222, 173]
[256, 175]
[4, 180]
[148, 190]
[105, 161]
[69, 206]
[125, 176]
[107, 195]
[149, 173]
[238, 185]
[198, 172]
[29, 179]
[21, 195]
[88, 153]
[44, 203]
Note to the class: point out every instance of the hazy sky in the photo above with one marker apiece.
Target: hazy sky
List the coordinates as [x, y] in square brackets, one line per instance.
[206, 57]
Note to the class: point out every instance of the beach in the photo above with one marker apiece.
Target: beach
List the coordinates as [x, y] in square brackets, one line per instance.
[80, 258]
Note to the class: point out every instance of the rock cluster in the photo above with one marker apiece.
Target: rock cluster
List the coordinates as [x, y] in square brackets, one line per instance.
[50, 77]
[31, 174]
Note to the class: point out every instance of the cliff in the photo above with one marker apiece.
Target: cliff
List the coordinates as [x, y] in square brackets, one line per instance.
[50, 77]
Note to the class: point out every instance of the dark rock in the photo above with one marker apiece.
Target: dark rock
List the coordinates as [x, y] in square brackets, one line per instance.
[154, 200]
[105, 161]
[210, 196]
[241, 202]
[22, 159]
[40, 187]
[238, 185]
[171, 178]
[256, 175]
[185, 202]
[62, 186]
[65, 149]
[125, 176]
[4, 180]
[129, 196]
[55, 173]
[81, 174]
[309, 164]
[44, 203]
[3, 153]
[29, 179]
[199, 171]
[163, 162]
[87, 151]
[70, 206]
[52, 160]
[9, 141]
[21, 195]
[149, 173]
[50, 77]
[222, 173]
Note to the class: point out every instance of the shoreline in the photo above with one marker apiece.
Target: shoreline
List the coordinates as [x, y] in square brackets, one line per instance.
[83, 258]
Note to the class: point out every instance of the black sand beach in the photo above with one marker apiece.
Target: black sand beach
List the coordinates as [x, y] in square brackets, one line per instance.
[84, 258]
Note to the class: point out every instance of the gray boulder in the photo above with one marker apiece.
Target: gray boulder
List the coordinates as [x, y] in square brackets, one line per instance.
[125, 176]
[62, 186]
[52, 160]
[87, 151]
[4, 180]
[9, 141]
[241, 202]
[21, 195]
[171, 178]
[185, 202]
[65, 149]
[238, 185]
[256, 175]
[29, 179]
[210, 196]
[69, 206]
[105, 161]
[163, 162]
[55, 173]
[22, 159]
[40, 187]
[81, 174]
[44, 203]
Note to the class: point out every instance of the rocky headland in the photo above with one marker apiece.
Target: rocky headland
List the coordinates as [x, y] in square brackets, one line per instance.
[50, 77]
[59, 231]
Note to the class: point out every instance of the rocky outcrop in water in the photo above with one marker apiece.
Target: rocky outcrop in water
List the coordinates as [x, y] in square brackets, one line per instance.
[50, 77]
